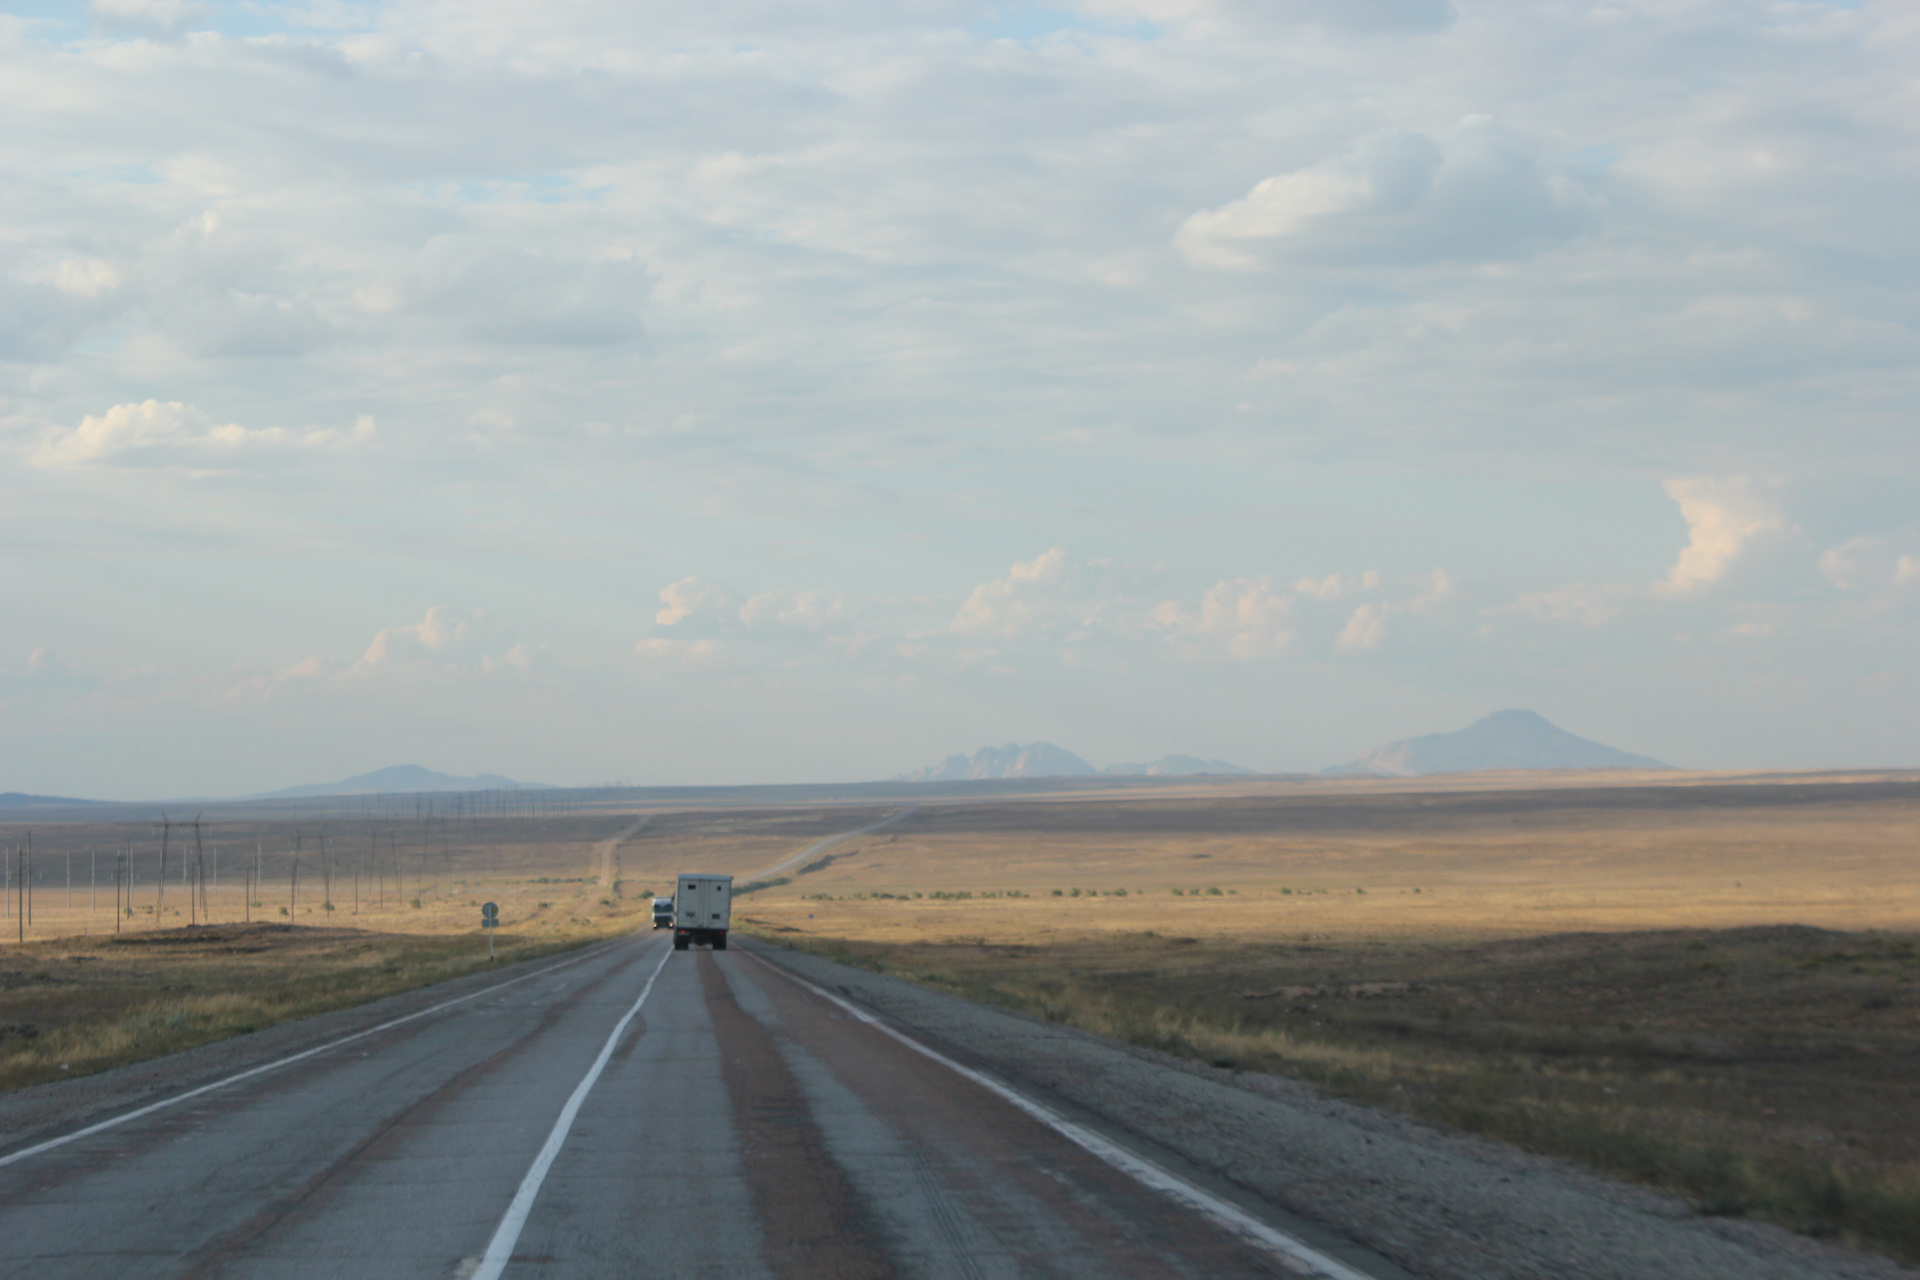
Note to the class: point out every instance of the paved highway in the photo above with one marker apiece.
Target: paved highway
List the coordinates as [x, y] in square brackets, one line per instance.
[631, 1111]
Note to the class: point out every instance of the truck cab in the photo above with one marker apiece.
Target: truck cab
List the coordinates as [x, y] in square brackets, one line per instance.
[702, 911]
[663, 913]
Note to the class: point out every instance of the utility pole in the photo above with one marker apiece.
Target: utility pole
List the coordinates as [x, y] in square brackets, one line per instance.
[160, 883]
[200, 870]
[26, 878]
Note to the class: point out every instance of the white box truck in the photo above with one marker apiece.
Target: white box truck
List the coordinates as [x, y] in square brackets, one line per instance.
[702, 911]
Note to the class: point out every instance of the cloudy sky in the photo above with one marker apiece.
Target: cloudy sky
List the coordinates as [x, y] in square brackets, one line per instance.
[742, 391]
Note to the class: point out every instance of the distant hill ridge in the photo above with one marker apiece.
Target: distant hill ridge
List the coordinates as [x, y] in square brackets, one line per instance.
[21, 800]
[1503, 740]
[1044, 760]
[400, 778]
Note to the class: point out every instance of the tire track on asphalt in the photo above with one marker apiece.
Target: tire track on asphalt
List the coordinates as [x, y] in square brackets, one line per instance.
[811, 1218]
[310, 1195]
[1294, 1255]
[994, 1177]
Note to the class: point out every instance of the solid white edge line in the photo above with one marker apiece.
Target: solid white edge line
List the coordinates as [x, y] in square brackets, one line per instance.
[250, 1072]
[507, 1234]
[1222, 1212]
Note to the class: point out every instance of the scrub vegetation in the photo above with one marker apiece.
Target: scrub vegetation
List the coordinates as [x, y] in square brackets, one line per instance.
[1707, 985]
[1765, 1071]
[308, 916]
[80, 1005]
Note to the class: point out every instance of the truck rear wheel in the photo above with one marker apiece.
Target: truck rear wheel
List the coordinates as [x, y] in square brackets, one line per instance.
[679, 944]
[720, 943]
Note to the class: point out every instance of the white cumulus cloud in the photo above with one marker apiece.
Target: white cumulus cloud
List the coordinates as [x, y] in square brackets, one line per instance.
[1723, 516]
[168, 431]
[1472, 193]
[777, 611]
[1333, 586]
[1366, 629]
[1010, 605]
[701, 607]
[444, 642]
[693, 601]
[1247, 617]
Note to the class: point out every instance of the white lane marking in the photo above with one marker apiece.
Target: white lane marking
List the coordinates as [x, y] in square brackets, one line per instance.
[275, 1065]
[1301, 1257]
[507, 1234]
[821, 846]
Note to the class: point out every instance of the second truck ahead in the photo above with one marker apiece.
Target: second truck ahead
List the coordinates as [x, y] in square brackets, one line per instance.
[663, 913]
[702, 911]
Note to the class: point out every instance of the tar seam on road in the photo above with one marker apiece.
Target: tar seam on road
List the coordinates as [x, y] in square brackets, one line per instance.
[507, 1234]
[275, 1065]
[1297, 1255]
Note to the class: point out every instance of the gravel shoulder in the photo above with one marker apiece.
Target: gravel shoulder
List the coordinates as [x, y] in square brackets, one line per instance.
[1442, 1206]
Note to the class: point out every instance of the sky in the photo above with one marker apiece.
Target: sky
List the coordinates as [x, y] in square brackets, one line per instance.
[733, 391]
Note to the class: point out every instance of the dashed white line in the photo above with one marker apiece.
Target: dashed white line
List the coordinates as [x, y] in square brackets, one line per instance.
[275, 1065]
[507, 1234]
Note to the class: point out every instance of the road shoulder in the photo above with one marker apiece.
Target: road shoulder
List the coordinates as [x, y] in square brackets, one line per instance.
[1441, 1205]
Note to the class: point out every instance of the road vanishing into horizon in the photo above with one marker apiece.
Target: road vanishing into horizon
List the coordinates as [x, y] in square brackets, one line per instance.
[630, 1111]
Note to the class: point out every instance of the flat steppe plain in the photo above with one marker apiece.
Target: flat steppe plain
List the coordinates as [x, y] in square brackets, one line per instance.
[1706, 983]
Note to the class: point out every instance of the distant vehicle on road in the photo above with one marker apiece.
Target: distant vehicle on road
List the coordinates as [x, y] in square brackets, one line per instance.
[663, 913]
[702, 911]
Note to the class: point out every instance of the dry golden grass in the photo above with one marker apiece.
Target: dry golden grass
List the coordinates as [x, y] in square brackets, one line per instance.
[1423, 864]
[76, 997]
[1705, 987]
[1766, 1071]
[76, 1006]
[1588, 966]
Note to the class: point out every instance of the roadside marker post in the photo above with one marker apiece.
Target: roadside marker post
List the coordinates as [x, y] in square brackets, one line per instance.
[490, 920]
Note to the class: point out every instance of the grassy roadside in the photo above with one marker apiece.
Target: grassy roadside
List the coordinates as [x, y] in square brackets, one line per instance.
[78, 1005]
[1768, 1072]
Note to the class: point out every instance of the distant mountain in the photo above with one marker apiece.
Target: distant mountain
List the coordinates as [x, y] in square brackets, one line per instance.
[20, 800]
[1503, 740]
[1035, 760]
[1044, 760]
[1174, 767]
[403, 778]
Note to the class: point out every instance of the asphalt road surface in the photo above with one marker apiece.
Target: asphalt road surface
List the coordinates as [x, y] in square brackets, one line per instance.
[633, 1111]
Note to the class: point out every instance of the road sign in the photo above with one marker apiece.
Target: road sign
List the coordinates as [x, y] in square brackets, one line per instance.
[489, 924]
[490, 910]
